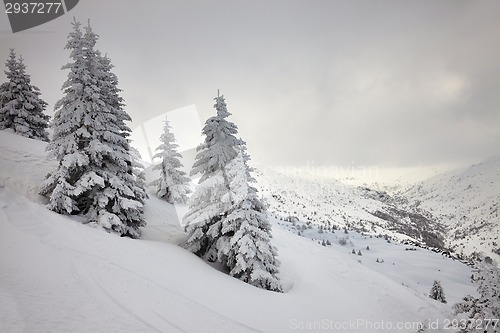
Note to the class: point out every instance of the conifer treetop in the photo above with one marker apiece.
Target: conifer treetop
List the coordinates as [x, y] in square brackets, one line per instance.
[220, 145]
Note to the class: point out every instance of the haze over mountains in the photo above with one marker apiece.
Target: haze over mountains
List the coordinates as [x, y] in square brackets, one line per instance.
[455, 210]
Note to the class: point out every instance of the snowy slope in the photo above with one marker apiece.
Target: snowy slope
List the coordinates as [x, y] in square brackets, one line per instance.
[23, 164]
[58, 275]
[467, 202]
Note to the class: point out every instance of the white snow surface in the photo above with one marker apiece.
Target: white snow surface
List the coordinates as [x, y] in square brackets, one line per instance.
[58, 275]
[466, 201]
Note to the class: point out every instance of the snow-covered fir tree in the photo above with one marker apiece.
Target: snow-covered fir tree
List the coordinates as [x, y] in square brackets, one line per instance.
[206, 208]
[437, 292]
[244, 246]
[95, 173]
[484, 309]
[21, 107]
[173, 183]
[226, 221]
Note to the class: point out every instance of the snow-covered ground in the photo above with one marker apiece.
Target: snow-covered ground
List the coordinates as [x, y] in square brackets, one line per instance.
[460, 206]
[466, 201]
[324, 201]
[58, 275]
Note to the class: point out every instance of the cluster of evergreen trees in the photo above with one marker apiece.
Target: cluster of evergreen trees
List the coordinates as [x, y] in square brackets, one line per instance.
[226, 222]
[100, 178]
[21, 108]
[483, 311]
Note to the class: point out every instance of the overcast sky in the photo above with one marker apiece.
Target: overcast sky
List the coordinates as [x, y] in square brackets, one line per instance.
[385, 83]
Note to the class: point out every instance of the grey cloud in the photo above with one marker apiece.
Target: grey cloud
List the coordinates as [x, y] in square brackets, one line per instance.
[387, 82]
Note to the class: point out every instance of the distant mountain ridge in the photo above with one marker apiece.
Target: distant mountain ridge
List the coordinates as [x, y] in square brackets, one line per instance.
[466, 203]
[455, 210]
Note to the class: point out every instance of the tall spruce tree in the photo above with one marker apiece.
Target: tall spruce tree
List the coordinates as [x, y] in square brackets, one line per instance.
[95, 173]
[227, 222]
[21, 107]
[173, 184]
[245, 247]
[206, 207]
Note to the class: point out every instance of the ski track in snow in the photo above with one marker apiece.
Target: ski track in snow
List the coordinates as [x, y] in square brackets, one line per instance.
[17, 165]
[82, 262]
[130, 310]
[57, 275]
[187, 304]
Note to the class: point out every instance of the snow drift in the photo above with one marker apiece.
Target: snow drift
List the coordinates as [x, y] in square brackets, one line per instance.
[60, 275]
